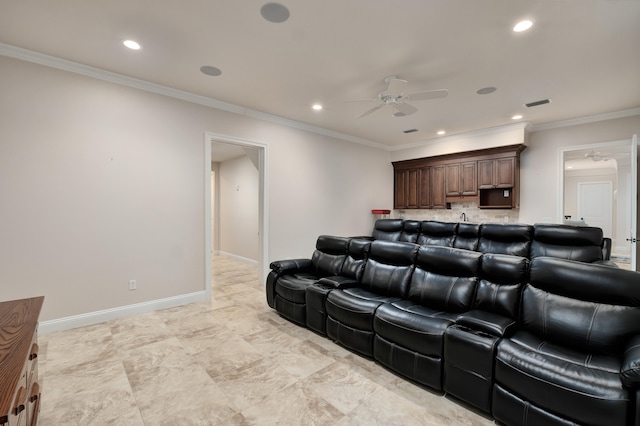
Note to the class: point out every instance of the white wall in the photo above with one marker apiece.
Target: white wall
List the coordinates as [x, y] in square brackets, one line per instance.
[513, 134]
[102, 183]
[539, 168]
[238, 217]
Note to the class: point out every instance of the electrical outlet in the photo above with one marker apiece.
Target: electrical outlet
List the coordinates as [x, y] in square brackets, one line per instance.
[133, 285]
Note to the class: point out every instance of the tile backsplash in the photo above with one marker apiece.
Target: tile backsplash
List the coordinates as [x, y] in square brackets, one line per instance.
[454, 214]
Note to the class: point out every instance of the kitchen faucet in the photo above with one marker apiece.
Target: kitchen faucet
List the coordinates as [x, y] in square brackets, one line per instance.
[463, 216]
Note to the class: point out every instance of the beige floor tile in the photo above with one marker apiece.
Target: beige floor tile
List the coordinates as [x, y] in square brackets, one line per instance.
[228, 361]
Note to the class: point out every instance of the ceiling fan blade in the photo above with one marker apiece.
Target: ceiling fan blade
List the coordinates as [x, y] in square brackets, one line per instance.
[375, 108]
[396, 86]
[404, 109]
[428, 94]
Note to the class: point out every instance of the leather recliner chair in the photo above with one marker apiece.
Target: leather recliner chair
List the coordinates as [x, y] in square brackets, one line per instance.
[350, 275]
[409, 333]
[288, 280]
[385, 279]
[470, 344]
[576, 355]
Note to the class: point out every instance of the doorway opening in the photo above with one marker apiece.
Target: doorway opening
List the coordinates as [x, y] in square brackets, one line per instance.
[596, 190]
[237, 154]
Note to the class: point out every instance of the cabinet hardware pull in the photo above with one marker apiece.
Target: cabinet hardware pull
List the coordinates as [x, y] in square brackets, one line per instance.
[34, 352]
[35, 392]
[20, 401]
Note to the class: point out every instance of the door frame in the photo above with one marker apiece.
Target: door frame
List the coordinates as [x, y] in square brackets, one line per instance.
[263, 238]
[632, 144]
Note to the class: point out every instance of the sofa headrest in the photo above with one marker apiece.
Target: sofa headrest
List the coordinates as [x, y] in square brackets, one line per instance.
[501, 238]
[388, 225]
[504, 269]
[585, 281]
[566, 235]
[387, 229]
[506, 232]
[449, 261]
[410, 231]
[393, 252]
[435, 228]
[586, 307]
[469, 230]
[332, 245]
[359, 248]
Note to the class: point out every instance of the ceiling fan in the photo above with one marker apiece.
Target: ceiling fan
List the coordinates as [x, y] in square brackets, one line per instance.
[395, 97]
[599, 156]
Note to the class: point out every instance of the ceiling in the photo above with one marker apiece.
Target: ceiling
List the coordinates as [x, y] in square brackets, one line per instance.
[606, 157]
[582, 55]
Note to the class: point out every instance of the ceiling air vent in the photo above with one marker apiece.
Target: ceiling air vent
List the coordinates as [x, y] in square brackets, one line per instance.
[536, 103]
[410, 131]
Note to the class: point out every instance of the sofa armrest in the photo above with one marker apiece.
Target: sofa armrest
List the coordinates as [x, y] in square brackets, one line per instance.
[606, 248]
[338, 282]
[487, 322]
[289, 266]
[630, 369]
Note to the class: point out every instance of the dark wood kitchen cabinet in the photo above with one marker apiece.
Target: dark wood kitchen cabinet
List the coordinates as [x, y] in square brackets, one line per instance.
[490, 177]
[461, 180]
[497, 173]
[419, 188]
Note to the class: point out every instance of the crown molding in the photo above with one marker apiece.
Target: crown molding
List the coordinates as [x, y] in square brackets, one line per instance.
[586, 120]
[123, 80]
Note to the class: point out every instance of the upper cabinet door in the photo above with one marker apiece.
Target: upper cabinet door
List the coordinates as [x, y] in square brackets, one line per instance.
[400, 184]
[504, 172]
[453, 180]
[498, 173]
[468, 178]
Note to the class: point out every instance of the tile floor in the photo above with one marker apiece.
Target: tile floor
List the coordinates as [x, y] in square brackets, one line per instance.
[230, 361]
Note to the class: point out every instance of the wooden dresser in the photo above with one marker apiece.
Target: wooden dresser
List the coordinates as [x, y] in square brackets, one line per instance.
[19, 389]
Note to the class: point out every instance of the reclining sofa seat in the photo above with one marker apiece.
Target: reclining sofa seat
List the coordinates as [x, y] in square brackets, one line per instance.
[581, 243]
[470, 344]
[409, 333]
[511, 239]
[437, 233]
[576, 355]
[385, 279]
[288, 280]
[350, 275]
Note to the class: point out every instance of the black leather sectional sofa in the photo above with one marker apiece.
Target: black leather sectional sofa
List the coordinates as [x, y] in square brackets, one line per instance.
[529, 340]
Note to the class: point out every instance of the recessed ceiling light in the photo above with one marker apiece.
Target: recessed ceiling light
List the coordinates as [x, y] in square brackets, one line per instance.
[486, 90]
[274, 12]
[209, 70]
[133, 45]
[523, 26]
[316, 107]
[441, 132]
[516, 117]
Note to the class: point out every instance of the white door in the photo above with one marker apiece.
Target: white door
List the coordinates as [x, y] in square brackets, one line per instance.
[634, 202]
[595, 205]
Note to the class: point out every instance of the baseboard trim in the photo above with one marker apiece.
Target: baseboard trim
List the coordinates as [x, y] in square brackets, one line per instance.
[97, 317]
[236, 257]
